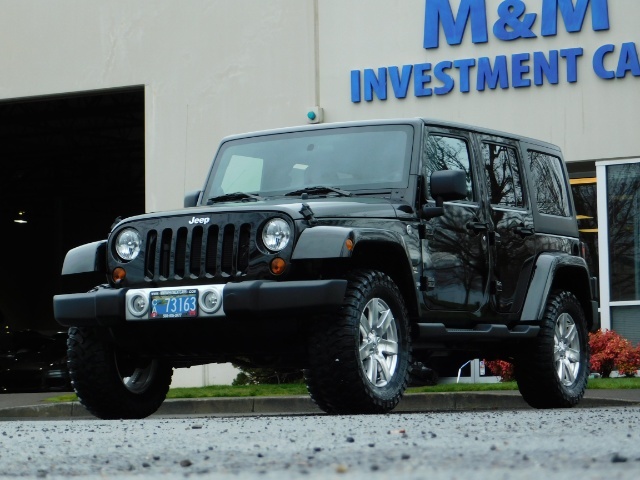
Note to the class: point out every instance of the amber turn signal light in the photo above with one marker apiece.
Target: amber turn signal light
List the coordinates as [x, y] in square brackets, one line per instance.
[118, 274]
[277, 266]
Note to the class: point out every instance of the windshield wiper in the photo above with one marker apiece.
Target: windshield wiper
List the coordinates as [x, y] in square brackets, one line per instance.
[319, 190]
[230, 197]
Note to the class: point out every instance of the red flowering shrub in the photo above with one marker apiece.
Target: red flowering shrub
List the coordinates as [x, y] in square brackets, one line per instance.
[501, 368]
[610, 351]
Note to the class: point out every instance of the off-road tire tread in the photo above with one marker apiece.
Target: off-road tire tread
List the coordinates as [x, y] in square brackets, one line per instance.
[334, 379]
[534, 367]
[97, 384]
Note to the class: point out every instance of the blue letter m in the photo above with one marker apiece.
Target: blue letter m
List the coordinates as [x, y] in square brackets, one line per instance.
[573, 16]
[439, 12]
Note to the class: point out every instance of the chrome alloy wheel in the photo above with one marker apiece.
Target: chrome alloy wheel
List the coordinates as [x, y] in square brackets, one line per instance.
[378, 342]
[566, 350]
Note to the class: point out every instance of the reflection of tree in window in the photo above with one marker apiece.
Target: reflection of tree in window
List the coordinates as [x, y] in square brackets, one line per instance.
[623, 184]
[447, 153]
[503, 176]
[549, 185]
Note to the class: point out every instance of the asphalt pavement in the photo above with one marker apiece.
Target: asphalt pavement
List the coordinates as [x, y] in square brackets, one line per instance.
[34, 405]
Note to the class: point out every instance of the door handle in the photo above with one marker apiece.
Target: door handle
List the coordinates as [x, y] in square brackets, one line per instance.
[524, 231]
[477, 227]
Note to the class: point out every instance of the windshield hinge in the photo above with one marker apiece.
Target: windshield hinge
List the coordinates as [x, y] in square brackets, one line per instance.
[307, 213]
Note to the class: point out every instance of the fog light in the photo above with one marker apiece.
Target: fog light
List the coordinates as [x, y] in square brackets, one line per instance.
[277, 266]
[138, 305]
[210, 301]
[118, 274]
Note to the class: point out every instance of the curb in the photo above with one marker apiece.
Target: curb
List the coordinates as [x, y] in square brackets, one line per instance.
[301, 404]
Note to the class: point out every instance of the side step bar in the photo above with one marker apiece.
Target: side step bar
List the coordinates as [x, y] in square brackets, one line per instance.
[437, 331]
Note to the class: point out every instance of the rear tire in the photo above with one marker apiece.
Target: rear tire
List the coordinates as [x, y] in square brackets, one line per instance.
[359, 360]
[553, 371]
[110, 384]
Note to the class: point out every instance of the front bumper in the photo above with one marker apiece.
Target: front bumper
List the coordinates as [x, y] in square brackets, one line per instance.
[258, 298]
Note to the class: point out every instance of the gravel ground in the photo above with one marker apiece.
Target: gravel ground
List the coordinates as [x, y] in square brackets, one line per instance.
[564, 444]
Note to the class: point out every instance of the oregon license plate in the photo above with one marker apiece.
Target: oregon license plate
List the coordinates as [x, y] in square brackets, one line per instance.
[174, 303]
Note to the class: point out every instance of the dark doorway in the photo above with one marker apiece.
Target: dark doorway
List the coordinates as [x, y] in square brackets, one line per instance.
[70, 165]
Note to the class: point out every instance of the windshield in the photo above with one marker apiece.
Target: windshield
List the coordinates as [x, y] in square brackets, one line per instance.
[371, 158]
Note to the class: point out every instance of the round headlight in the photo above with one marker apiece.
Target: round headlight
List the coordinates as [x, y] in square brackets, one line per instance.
[128, 244]
[276, 234]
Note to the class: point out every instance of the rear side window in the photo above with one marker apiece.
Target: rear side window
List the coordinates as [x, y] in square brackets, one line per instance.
[549, 185]
[503, 175]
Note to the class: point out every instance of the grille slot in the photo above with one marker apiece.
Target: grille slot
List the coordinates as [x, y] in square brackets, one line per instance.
[198, 252]
[195, 259]
[165, 253]
[150, 259]
[211, 259]
[181, 251]
[227, 249]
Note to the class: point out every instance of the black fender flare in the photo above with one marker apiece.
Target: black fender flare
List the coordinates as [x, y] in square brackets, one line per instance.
[327, 242]
[331, 242]
[549, 267]
[87, 258]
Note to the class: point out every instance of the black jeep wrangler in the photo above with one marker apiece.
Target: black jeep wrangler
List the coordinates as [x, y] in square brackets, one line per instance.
[350, 251]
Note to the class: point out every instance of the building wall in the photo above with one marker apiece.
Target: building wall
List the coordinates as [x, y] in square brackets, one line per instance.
[216, 67]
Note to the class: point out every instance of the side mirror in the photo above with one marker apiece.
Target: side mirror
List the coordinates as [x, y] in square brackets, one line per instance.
[445, 186]
[191, 198]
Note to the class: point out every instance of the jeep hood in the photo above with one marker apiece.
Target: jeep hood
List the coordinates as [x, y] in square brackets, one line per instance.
[332, 207]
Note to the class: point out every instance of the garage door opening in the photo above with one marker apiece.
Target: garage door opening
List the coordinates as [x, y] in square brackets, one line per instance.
[70, 165]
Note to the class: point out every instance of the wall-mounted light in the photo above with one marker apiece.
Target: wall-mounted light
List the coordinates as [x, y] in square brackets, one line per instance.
[22, 217]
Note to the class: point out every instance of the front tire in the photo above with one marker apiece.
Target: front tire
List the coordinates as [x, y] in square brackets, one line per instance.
[553, 371]
[359, 360]
[110, 384]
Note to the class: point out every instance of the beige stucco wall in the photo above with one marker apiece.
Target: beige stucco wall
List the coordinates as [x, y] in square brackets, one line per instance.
[210, 68]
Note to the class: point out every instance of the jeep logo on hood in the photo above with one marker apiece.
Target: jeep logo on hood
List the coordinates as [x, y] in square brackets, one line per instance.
[203, 221]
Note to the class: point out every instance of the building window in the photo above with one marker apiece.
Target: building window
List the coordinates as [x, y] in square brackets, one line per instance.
[585, 198]
[623, 183]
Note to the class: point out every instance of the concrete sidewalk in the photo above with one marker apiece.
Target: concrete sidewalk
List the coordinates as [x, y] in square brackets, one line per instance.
[24, 406]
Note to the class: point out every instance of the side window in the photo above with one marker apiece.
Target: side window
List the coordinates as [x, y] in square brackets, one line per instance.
[448, 153]
[503, 175]
[549, 185]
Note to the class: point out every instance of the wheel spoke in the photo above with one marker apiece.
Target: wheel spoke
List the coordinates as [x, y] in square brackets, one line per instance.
[389, 347]
[557, 355]
[383, 367]
[372, 370]
[365, 350]
[571, 334]
[573, 355]
[373, 313]
[560, 370]
[569, 377]
[384, 321]
[365, 325]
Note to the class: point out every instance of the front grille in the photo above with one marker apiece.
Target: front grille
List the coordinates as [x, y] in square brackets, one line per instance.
[198, 251]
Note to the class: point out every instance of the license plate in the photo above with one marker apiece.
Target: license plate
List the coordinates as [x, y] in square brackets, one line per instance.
[174, 304]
